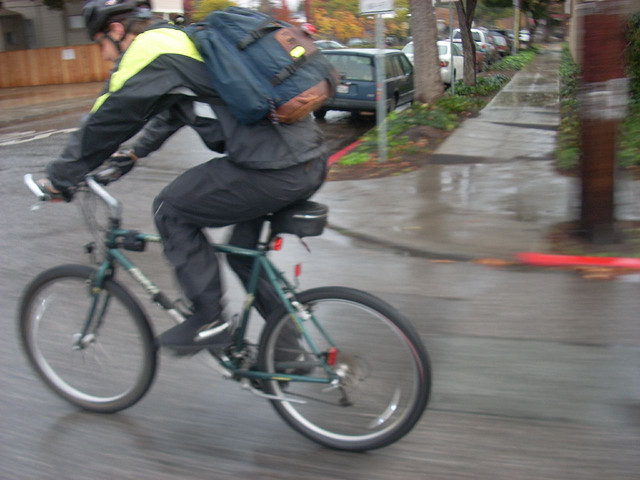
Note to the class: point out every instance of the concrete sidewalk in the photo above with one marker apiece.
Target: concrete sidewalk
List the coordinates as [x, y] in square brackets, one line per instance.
[490, 189]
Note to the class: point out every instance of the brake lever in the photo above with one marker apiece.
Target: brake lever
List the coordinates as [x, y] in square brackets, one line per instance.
[106, 176]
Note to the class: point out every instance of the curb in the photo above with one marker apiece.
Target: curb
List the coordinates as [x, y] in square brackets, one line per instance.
[341, 153]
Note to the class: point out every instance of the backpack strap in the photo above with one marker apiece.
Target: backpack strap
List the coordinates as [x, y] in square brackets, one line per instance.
[267, 26]
[290, 69]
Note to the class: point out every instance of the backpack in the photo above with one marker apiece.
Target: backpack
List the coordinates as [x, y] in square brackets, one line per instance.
[263, 67]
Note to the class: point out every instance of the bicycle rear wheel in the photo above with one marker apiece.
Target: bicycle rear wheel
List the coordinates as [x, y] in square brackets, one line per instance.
[113, 365]
[381, 364]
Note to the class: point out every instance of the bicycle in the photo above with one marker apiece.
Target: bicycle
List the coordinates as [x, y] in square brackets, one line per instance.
[339, 365]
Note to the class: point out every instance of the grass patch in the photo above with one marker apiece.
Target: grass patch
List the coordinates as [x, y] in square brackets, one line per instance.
[566, 240]
[484, 86]
[444, 115]
[514, 62]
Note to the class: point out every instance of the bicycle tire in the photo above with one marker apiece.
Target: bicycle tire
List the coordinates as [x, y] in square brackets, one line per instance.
[53, 309]
[365, 329]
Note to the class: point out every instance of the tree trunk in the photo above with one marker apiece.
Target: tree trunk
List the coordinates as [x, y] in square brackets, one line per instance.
[465, 13]
[428, 83]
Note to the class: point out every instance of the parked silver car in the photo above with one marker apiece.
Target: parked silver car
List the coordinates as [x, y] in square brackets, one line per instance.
[444, 54]
[483, 42]
[328, 44]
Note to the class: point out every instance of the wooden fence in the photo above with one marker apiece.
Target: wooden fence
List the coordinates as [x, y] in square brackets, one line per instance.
[51, 66]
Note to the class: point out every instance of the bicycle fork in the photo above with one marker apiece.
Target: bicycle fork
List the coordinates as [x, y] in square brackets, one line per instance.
[98, 307]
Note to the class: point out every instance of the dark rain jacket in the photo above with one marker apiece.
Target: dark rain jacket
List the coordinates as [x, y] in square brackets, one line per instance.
[197, 115]
[160, 70]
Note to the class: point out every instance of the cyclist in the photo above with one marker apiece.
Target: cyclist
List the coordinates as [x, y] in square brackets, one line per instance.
[267, 166]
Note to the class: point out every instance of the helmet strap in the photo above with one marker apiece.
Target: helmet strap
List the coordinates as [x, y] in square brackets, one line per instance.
[115, 42]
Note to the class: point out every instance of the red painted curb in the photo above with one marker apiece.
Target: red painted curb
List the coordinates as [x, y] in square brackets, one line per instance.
[548, 260]
[338, 155]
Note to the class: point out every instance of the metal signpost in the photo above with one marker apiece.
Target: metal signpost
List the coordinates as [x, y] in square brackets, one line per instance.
[516, 27]
[167, 6]
[378, 7]
[453, 78]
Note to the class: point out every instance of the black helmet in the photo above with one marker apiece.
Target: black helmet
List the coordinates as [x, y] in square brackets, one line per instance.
[97, 13]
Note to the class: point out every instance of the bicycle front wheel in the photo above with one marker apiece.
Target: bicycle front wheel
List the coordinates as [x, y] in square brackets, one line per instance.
[105, 368]
[379, 365]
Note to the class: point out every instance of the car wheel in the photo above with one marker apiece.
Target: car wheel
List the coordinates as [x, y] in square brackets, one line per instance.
[320, 114]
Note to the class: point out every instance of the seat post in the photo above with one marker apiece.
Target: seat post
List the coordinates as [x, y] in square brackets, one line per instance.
[265, 234]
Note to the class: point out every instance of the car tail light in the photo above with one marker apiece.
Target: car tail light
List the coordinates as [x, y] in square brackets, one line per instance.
[444, 63]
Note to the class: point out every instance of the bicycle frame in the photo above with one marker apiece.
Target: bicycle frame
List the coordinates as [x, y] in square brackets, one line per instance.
[284, 289]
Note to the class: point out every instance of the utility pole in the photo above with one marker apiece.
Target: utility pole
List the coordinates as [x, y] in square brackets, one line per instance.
[603, 99]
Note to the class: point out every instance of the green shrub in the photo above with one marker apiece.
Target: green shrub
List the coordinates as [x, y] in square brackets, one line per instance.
[629, 138]
[460, 104]
[484, 86]
[629, 134]
[569, 74]
[568, 141]
[514, 62]
[632, 56]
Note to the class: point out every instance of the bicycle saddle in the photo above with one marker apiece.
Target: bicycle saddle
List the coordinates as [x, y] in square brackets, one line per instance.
[304, 219]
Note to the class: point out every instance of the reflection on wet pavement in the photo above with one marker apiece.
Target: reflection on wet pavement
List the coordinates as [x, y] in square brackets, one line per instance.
[528, 99]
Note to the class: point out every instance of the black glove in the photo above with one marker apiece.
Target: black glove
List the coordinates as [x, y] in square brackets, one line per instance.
[121, 163]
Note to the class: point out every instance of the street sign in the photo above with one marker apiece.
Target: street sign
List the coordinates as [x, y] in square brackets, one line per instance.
[167, 6]
[376, 6]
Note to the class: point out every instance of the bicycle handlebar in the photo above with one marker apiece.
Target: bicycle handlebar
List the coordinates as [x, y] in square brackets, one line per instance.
[35, 188]
[94, 182]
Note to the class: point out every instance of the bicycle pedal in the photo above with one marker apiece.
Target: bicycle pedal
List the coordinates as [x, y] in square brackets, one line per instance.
[181, 353]
[247, 385]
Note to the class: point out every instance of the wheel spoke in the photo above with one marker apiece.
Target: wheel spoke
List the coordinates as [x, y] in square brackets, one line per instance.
[105, 373]
[381, 371]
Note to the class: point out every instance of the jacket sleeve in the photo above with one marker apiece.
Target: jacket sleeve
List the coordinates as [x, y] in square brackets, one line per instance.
[156, 132]
[197, 115]
[140, 87]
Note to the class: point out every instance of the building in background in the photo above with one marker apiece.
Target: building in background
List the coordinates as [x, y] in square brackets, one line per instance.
[41, 26]
[28, 24]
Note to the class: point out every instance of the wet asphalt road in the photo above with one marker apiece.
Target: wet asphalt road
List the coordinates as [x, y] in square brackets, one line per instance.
[536, 373]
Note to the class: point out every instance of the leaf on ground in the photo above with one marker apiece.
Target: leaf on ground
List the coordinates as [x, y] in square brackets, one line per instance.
[493, 262]
[604, 273]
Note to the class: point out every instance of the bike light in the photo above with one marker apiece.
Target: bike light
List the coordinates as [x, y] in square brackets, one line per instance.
[332, 354]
